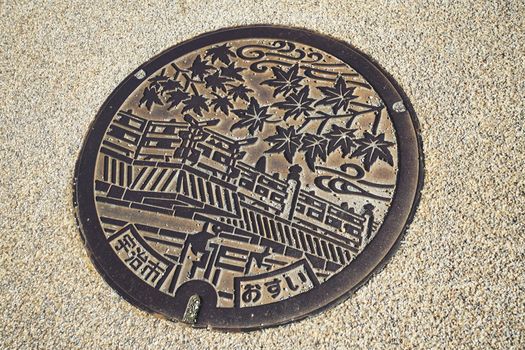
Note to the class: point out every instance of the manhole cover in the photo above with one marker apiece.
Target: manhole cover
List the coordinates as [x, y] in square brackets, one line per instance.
[248, 177]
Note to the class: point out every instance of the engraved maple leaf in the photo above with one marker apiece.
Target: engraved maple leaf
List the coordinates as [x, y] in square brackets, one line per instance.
[239, 91]
[314, 147]
[170, 84]
[197, 103]
[340, 137]
[233, 72]
[252, 118]
[215, 81]
[149, 98]
[284, 81]
[200, 68]
[372, 148]
[221, 102]
[297, 103]
[338, 96]
[286, 141]
[175, 97]
[220, 53]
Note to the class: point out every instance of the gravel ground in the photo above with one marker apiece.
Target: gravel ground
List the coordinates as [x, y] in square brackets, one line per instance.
[458, 280]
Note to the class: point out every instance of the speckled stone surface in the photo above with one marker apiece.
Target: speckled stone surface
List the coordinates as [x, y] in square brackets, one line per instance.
[458, 279]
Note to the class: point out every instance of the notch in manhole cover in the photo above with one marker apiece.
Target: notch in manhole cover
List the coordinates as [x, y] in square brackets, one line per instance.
[248, 177]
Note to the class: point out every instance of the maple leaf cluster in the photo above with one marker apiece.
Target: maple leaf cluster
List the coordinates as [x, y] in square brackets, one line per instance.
[288, 84]
[370, 148]
[224, 84]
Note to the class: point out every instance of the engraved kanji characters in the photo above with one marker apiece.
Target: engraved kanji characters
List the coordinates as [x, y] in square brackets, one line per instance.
[127, 242]
[152, 271]
[138, 259]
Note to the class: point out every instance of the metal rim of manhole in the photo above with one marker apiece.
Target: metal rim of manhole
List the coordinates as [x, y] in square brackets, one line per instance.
[248, 177]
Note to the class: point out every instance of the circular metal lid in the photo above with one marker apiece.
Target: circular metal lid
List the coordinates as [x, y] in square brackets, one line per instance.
[248, 177]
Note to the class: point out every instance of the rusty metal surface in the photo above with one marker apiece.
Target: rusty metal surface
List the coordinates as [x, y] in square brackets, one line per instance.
[248, 177]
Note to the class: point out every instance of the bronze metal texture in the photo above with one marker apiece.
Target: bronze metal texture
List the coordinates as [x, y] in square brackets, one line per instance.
[248, 177]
